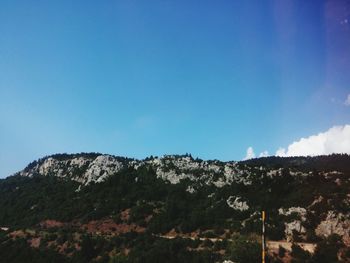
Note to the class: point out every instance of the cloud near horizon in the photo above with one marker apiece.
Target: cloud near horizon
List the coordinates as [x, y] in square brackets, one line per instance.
[250, 153]
[264, 154]
[334, 140]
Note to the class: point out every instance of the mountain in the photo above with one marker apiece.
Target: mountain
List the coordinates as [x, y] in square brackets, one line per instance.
[92, 207]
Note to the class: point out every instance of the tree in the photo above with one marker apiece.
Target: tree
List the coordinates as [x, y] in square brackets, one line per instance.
[88, 251]
[299, 255]
[327, 250]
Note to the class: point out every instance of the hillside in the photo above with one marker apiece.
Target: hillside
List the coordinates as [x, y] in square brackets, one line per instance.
[102, 208]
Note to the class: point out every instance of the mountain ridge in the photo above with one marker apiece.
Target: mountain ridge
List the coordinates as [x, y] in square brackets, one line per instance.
[97, 166]
[105, 197]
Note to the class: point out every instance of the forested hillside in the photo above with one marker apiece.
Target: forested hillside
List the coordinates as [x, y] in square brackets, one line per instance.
[102, 208]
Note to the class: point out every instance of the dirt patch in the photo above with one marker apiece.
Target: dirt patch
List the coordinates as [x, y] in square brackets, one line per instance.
[50, 224]
[35, 242]
[62, 248]
[125, 215]
[273, 246]
[18, 234]
[108, 226]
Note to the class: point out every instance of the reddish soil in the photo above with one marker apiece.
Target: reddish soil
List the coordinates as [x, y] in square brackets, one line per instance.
[18, 233]
[125, 215]
[108, 226]
[51, 224]
[62, 248]
[35, 242]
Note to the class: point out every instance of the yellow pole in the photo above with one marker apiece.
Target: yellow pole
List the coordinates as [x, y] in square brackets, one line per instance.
[263, 237]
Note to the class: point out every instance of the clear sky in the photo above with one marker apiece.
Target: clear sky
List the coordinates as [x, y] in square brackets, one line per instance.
[140, 78]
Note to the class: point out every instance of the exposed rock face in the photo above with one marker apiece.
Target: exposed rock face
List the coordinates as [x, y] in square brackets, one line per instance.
[300, 211]
[86, 169]
[335, 224]
[296, 224]
[237, 204]
[81, 169]
[190, 189]
[102, 167]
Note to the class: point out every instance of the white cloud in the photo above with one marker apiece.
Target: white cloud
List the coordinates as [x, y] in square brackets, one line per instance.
[281, 152]
[347, 101]
[335, 140]
[264, 154]
[250, 153]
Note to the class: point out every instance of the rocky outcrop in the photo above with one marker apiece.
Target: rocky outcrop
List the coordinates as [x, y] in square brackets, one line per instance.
[81, 169]
[171, 168]
[335, 223]
[299, 211]
[296, 224]
[237, 204]
[293, 227]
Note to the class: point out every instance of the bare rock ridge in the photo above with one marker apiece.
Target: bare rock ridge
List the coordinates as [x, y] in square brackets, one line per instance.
[83, 169]
[96, 168]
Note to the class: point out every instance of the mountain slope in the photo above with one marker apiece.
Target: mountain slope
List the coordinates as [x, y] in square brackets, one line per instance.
[306, 199]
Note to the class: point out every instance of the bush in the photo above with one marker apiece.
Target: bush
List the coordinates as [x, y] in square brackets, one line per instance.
[327, 250]
[299, 255]
[281, 251]
[244, 250]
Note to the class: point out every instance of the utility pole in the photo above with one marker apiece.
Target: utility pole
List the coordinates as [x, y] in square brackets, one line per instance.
[263, 240]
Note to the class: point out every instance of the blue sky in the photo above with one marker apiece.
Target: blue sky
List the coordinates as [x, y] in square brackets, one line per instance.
[140, 78]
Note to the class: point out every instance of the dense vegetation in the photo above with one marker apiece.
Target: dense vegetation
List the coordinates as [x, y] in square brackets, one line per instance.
[327, 163]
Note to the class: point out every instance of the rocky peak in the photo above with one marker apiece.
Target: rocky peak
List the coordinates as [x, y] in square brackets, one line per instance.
[81, 168]
[87, 168]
